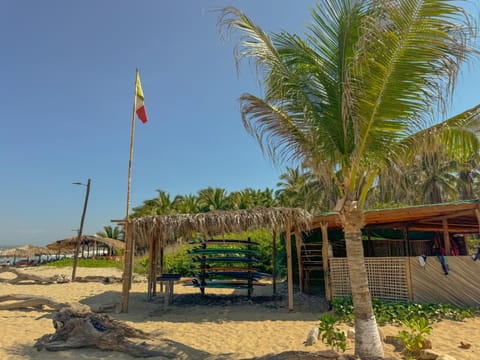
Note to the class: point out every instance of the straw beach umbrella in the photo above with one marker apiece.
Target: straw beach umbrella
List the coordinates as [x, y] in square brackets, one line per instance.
[67, 245]
[25, 251]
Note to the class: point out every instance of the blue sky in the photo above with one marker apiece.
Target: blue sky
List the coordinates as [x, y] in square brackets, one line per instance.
[68, 71]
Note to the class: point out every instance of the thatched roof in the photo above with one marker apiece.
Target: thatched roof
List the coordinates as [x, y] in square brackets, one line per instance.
[26, 251]
[69, 243]
[168, 228]
[460, 217]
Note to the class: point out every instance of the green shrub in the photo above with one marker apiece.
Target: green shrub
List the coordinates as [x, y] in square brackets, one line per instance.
[415, 339]
[399, 312]
[331, 335]
[179, 261]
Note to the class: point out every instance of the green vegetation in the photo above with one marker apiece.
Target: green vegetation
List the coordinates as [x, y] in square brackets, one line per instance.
[401, 312]
[91, 263]
[331, 335]
[416, 337]
[177, 260]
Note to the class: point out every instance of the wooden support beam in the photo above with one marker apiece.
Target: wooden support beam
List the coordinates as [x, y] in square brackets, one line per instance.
[407, 242]
[408, 274]
[150, 270]
[288, 245]
[127, 268]
[274, 262]
[477, 214]
[301, 275]
[325, 256]
[446, 237]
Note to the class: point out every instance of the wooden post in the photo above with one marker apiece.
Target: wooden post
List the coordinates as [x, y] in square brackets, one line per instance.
[161, 253]
[477, 214]
[408, 274]
[274, 262]
[150, 269]
[79, 238]
[288, 245]
[406, 240]
[326, 267]
[301, 275]
[446, 237]
[129, 241]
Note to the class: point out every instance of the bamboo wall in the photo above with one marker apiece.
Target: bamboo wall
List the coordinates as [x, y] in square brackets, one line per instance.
[460, 287]
[401, 278]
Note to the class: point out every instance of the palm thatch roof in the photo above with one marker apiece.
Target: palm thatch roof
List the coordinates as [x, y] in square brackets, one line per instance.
[26, 251]
[168, 228]
[69, 243]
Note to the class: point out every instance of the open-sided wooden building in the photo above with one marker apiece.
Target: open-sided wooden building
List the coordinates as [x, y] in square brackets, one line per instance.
[156, 232]
[419, 253]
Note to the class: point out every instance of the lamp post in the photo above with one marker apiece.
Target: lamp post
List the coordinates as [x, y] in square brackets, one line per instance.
[77, 243]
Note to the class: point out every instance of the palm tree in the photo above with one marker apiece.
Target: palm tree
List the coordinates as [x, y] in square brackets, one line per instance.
[211, 199]
[351, 97]
[161, 205]
[111, 232]
[186, 204]
[298, 187]
[467, 179]
[437, 181]
[265, 198]
[243, 199]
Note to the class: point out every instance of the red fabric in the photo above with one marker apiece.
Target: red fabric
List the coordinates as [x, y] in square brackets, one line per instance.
[142, 114]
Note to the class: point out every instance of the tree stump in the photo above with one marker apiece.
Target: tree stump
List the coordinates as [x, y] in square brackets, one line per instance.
[77, 327]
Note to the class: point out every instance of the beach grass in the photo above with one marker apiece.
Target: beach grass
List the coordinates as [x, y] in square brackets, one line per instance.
[89, 263]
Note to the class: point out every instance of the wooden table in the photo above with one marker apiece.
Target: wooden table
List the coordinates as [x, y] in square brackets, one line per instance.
[169, 280]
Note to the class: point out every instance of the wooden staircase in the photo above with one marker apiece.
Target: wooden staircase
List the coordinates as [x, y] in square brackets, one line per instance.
[311, 260]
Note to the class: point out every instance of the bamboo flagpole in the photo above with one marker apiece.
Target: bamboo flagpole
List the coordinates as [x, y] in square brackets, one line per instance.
[138, 110]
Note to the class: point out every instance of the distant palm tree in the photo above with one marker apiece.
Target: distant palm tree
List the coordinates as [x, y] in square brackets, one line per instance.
[265, 198]
[243, 199]
[186, 204]
[161, 205]
[211, 199]
[468, 176]
[354, 97]
[111, 232]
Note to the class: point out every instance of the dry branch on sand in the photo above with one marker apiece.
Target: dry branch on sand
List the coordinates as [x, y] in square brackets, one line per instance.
[24, 301]
[22, 276]
[77, 327]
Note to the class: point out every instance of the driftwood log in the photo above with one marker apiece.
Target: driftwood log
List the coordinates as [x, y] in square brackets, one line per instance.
[24, 301]
[23, 276]
[77, 327]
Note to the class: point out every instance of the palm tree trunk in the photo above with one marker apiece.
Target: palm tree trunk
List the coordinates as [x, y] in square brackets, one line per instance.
[367, 338]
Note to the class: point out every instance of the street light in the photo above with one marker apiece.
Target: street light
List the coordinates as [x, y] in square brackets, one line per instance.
[77, 243]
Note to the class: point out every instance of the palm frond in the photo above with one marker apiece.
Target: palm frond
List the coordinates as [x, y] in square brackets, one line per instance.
[406, 67]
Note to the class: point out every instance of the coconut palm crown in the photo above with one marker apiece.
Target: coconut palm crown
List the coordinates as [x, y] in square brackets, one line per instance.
[360, 90]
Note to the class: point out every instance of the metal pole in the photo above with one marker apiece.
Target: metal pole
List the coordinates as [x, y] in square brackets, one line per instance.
[77, 243]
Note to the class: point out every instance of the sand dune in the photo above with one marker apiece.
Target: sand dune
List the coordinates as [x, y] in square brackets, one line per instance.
[218, 326]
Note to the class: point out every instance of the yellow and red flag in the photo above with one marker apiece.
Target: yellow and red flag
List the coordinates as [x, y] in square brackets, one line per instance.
[139, 106]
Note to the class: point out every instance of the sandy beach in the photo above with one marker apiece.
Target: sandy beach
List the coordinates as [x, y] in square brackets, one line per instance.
[218, 326]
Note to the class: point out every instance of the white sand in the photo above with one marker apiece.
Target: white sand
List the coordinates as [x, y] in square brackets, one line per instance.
[199, 328]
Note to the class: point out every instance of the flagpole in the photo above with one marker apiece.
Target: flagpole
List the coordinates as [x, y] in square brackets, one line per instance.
[129, 242]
